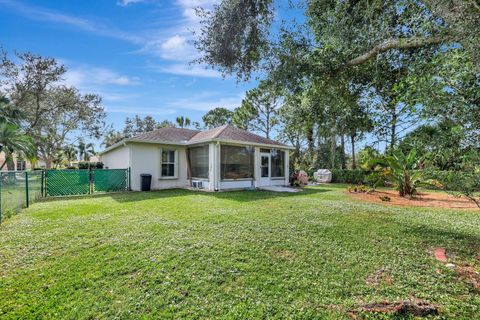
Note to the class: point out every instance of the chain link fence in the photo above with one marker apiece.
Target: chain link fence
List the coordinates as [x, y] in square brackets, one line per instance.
[18, 189]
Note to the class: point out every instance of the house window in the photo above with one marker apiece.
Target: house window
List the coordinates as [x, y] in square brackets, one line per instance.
[21, 165]
[198, 158]
[169, 163]
[278, 163]
[236, 162]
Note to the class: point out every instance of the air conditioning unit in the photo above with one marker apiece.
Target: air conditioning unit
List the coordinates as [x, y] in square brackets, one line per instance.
[197, 184]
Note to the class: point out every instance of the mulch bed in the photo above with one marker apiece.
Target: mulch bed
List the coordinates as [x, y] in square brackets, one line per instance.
[423, 199]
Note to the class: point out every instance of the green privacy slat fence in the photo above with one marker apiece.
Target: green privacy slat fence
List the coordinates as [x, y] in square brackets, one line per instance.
[18, 189]
[110, 180]
[67, 182]
[77, 182]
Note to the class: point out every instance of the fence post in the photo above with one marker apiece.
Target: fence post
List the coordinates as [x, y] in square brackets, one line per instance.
[129, 178]
[90, 178]
[41, 184]
[45, 179]
[26, 187]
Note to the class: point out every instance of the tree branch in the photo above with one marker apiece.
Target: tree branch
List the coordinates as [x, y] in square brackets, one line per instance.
[403, 43]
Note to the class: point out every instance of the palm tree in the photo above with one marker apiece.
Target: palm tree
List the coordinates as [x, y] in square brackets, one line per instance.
[85, 150]
[183, 121]
[13, 140]
[70, 154]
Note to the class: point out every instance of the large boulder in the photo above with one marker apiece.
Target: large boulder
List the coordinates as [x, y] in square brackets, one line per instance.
[323, 176]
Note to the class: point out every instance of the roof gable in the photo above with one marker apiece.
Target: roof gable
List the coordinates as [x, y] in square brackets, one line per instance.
[231, 133]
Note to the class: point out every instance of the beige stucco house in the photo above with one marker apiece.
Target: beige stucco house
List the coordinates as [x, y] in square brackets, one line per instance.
[217, 159]
[20, 164]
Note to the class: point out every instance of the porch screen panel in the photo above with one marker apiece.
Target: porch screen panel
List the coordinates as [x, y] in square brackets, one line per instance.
[199, 161]
[236, 162]
[278, 163]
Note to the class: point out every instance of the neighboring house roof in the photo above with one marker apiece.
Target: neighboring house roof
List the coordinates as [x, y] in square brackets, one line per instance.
[182, 136]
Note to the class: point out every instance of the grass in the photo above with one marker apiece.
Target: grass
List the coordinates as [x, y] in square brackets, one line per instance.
[232, 255]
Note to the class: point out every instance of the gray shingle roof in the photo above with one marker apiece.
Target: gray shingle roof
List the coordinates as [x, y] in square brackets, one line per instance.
[167, 134]
[184, 136]
[231, 133]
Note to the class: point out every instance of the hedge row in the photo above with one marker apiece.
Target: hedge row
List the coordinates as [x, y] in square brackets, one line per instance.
[361, 176]
[354, 176]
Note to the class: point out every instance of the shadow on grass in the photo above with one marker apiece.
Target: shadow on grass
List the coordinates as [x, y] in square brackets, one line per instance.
[455, 241]
[238, 195]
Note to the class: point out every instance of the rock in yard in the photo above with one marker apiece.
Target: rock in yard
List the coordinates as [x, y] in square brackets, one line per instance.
[323, 176]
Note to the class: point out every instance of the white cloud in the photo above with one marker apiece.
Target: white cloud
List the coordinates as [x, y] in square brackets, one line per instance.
[171, 44]
[174, 43]
[42, 14]
[125, 3]
[176, 48]
[199, 103]
[157, 111]
[184, 69]
[88, 76]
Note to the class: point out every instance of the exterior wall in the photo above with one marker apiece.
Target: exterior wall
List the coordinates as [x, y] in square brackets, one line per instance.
[28, 165]
[238, 184]
[117, 159]
[145, 158]
[245, 183]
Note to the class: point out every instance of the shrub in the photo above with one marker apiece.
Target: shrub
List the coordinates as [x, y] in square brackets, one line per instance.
[355, 176]
[385, 198]
[90, 165]
[466, 184]
[358, 189]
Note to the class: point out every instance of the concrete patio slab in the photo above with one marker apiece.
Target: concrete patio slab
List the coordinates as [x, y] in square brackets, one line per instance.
[279, 189]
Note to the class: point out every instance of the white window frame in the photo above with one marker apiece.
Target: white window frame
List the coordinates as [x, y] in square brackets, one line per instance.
[175, 164]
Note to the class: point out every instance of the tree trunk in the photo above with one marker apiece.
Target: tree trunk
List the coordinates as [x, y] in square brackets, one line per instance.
[352, 140]
[342, 155]
[10, 164]
[48, 163]
[310, 142]
[393, 129]
[333, 149]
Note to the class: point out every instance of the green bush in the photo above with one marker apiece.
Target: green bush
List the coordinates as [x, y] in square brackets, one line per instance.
[445, 176]
[377, 178]
[463, 184]
[356, 176]
[90, 165]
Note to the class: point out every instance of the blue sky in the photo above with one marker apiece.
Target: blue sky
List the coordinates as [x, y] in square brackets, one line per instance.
[136, 54]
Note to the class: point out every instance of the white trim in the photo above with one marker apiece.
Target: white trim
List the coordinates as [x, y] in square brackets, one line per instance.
[187, 143]
[175, 164]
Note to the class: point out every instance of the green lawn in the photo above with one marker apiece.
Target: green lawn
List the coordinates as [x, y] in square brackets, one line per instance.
[233, 255]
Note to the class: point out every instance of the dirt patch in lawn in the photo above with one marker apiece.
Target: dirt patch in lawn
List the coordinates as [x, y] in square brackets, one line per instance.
[417, 308]
[470, 275]
[423, 199]
[378, 277]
